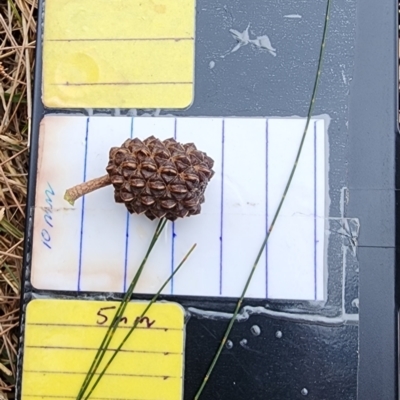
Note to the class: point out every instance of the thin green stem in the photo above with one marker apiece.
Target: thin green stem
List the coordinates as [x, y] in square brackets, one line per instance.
[137, 321]
[114, 323]
[15, 11]
[239, 303]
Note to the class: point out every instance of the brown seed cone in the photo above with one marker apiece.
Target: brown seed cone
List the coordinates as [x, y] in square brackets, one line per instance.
[159, 178]
[156, 178]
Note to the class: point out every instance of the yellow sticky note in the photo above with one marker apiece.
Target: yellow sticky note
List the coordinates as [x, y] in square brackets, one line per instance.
[62, 336]
[118, 54]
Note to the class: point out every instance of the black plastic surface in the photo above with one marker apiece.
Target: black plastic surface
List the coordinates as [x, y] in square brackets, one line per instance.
[372, 152]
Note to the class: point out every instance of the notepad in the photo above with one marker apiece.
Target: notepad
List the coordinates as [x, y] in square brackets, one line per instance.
[62, 336]
[120, 53]
[96, 245]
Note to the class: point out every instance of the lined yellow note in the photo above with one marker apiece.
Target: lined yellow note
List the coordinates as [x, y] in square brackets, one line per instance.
[62, 336]
[118, 54]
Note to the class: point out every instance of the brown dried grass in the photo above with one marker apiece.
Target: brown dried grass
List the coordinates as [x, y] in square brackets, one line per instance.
[17, 41]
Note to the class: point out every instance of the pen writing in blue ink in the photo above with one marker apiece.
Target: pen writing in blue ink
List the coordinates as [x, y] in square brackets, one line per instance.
[48, 216]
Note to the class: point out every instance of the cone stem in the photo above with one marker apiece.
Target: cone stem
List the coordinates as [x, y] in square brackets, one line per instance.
[80, 190]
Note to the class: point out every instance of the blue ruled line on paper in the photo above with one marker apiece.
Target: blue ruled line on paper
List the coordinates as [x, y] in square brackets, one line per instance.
[222, 207]
[266, 207]
[83, 208]
[127, 229]
[173, 234]
[315, 210]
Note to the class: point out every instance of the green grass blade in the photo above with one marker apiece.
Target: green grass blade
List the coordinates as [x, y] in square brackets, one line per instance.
[137, 321]
[114, 323]
[239, 303]
[14, 278]
[15, 11]
[7, 227]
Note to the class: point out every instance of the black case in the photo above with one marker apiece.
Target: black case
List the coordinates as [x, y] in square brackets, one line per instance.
[343, 348]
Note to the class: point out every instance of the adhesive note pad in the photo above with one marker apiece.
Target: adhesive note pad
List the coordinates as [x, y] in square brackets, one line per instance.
[118, 54]
[62, 337]
[96, 245]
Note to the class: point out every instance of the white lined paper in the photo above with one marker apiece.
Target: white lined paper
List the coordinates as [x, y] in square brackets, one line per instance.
[206, 134]
[244, 205]
[296, 222]
[94, 226]
[102, 246]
